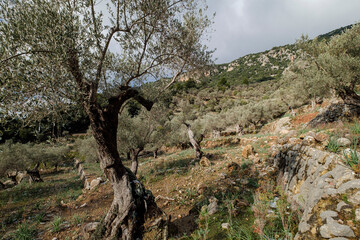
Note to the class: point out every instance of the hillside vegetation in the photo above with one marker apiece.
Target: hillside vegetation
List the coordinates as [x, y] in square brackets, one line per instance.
[217, 151]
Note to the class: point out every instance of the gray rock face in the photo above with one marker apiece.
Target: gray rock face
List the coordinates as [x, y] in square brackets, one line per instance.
[333, 228]
[317, 182]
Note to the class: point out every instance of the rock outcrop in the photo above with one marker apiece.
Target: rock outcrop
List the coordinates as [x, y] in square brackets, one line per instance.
[335, 112]
[326, 191]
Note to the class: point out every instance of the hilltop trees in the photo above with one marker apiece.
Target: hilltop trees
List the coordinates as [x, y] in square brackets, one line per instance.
[67, 52]
[332, 64]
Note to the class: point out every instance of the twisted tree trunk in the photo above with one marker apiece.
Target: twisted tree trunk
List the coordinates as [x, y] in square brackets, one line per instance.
[132, 203]
[194, 143]
[349, 96]
[134, 159]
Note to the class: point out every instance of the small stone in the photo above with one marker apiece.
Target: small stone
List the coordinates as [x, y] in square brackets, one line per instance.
[213, 206]
[321, 137]
[247, 151]
[100, 179]
[273, 202]
[225, 226]
[343, 142]
[342, 205]
[308, 141]
[55, 238]
[338, 238]
[205, 162]
[357, 215]
[94, 183]
[83, 205]
[89, 228]
[222, 175]
[355, 199]
[328, 214]
[87, 184]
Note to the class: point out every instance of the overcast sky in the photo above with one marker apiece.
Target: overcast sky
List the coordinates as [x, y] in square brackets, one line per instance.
[250, 26]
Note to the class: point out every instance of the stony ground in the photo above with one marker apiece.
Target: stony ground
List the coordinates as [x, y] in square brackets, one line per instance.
[228, 195]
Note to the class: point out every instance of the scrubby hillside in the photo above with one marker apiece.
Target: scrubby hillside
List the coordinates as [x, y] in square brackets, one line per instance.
[272, 162]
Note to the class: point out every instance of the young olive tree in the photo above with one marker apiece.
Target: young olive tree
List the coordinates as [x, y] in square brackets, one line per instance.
[145, 130]
[55, 53]
[333, 64]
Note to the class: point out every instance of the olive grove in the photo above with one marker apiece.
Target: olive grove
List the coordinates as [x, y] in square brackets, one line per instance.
[57, 53]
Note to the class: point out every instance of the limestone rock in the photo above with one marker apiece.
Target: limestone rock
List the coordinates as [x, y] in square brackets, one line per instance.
[341, 205]
[205, 162]
[22, 177]
[333, 228]
[87, 184]
[89, 228]
[247, 151]
[282, 124]
[233, 168]
[328, 214]
[225, 226]
[343, 142]
[213, 207]
[9, 183]
[354, 184]
[94, 183]
[292, 134]
[357, 215]
[355, 199]
[321, 137]
[308, 141]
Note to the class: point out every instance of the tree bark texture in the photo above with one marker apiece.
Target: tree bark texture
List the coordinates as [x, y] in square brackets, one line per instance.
[131, 204]
[134, 159]
[349, 96]
[194, 143]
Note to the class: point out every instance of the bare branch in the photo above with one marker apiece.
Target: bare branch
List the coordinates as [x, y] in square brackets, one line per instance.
[95, 27]
[24, 53]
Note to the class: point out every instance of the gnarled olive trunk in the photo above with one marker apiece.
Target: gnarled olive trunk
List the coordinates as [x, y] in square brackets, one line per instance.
[134, 159]
[194, 143]
[349, 96]
[126, 216]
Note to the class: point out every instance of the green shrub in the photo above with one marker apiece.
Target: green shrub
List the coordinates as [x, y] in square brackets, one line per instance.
[352, 158]
[17, 156]
[333, 145]
[56, 224]
[355, 128]
[87, 149]
[24, 232]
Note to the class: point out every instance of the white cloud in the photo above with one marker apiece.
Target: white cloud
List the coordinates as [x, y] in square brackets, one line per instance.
[248, 26]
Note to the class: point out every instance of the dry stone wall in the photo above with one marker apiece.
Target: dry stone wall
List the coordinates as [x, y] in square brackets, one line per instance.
[324, 189]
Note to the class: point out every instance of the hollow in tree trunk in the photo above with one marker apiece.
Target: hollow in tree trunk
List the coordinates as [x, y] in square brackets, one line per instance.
[195, 144]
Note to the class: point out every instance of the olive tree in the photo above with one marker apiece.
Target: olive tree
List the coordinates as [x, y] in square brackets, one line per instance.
[55, 53]
[145, 131]
[333, 64]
